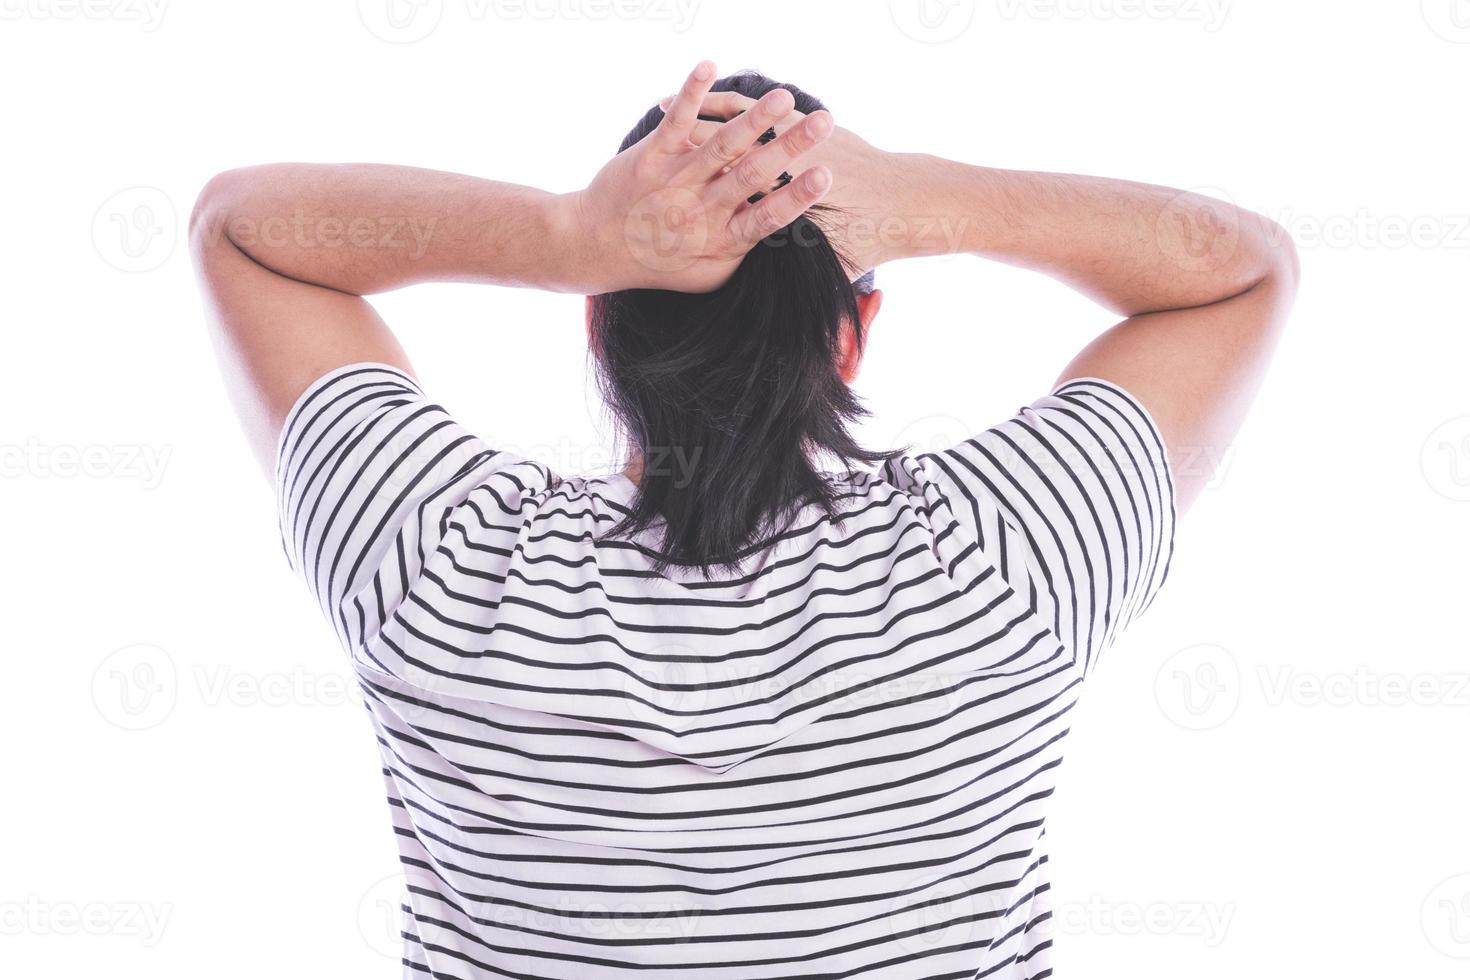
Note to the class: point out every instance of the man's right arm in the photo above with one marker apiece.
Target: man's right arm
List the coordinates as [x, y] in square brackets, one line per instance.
[1205, 287]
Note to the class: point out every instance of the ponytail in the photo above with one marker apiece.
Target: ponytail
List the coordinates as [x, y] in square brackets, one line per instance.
[731, 396]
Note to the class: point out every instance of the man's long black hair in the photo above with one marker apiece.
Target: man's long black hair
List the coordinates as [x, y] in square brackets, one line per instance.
[731, 397]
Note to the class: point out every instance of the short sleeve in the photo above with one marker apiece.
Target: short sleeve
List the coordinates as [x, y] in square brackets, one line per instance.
[1073, 499]
[367, 472]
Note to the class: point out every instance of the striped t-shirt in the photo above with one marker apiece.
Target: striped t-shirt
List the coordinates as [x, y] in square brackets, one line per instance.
[835, 763]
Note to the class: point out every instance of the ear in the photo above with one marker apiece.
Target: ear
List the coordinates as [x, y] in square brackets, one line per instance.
[849, 355]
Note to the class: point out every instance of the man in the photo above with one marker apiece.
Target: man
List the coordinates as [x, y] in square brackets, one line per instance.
[829, 757]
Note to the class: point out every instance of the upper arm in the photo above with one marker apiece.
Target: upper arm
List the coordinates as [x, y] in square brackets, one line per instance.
[374, 486]
[274, 335]
[1071, 501]
[1196, 370]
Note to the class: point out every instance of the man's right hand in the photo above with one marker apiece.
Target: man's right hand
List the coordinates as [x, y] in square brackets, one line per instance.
[868, 184]
[671, 211]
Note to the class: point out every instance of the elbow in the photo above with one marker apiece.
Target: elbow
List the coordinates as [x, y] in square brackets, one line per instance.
[1283, 264]
[210, 214]
[209, 221]
[1279, 265]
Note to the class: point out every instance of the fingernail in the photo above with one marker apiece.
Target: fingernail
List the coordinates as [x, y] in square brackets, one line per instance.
[705, 71]
[819, 125]
[817, 180]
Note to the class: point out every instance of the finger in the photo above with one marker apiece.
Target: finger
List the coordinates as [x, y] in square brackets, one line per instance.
[717, 105]
[679, 119]
[706, 128]
[777, 210]
[703, 130]
[757, 170]
[780, 128]
[736, 137]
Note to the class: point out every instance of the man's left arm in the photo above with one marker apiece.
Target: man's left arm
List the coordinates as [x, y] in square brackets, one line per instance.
[286, 252]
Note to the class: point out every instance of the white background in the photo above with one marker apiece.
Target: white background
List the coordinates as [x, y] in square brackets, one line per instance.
[1267, 778]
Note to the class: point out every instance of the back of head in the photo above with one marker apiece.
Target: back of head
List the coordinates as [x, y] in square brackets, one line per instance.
[732, 397]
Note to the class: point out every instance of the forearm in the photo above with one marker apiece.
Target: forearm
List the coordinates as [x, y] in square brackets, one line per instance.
[1135, 248]
[367, 228]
